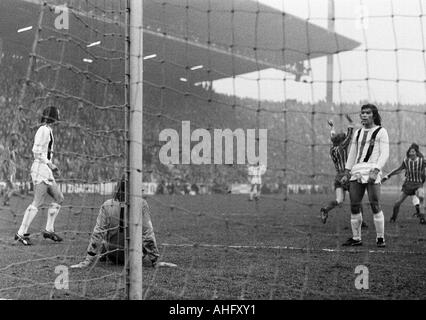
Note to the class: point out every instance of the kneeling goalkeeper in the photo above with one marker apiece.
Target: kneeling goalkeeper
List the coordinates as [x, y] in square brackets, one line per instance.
[108, 235]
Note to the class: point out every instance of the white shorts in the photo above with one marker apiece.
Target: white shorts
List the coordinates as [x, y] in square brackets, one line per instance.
[256, 180]
[40, 172]
[361, 171]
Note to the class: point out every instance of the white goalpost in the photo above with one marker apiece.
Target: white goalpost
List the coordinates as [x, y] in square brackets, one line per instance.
[134, 141]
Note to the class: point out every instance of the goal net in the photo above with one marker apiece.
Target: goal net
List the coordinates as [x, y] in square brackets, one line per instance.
[217, 75]
[68, 54]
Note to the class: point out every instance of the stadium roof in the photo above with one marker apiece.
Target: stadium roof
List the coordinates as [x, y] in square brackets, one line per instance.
[226, 38]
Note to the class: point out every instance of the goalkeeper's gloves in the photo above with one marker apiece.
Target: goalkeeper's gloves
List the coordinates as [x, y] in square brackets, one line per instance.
[90, 258]
[372, 176]
[346, 176]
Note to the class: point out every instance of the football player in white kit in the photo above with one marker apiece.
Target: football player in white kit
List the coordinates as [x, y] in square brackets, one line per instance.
[43, 173]
[255, 173]
[368, 154]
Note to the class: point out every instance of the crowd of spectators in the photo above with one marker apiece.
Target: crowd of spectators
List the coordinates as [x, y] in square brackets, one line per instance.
[90, 142]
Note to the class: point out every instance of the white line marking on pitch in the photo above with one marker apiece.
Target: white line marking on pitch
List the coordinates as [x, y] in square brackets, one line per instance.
[289, 248]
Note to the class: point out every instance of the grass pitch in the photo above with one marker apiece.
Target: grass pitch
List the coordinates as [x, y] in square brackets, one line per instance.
[226, 247]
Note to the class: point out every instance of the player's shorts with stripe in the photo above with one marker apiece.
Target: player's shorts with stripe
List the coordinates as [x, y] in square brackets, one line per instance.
[410, 188]
[338, 184]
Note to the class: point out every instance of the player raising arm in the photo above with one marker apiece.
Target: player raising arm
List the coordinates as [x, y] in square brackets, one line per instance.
[414, 165]
[368, 154]
[339, 155]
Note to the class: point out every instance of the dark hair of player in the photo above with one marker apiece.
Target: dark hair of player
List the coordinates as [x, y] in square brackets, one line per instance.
[338, 138]
[415, 147]
[50, 115]
[376, 116]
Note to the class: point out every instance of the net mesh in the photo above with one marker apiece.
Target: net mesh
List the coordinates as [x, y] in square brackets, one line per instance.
[76, 62]
[204, 62]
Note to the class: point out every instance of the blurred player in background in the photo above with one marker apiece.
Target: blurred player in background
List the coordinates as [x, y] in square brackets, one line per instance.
[107, 238]
[339, 155]
[8, 167]
[255, 173]
[368, 154]
[43, 173]
[414, 165]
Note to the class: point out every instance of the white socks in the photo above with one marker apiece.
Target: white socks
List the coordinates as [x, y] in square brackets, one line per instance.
[379, 223]
[29, 215]
[52, 212]
[356, 222]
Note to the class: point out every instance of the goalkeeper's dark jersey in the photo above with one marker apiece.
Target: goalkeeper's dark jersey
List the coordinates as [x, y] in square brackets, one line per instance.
[339, 153]
[108, 228]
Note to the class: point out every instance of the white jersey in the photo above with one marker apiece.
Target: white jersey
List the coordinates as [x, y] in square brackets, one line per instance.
[255, 173]
[358, 164]
[43, 152]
